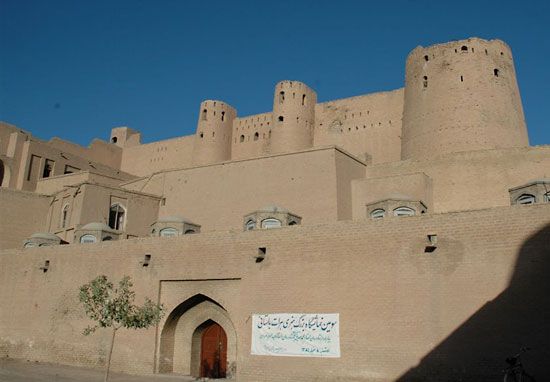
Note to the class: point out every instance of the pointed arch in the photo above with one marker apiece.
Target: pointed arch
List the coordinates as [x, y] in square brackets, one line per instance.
[180, 337]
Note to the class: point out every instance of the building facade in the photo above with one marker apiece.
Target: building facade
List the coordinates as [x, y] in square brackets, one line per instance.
[421, 216]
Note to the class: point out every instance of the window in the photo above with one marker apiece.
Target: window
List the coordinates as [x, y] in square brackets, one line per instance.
[70, 169]
[464, 48]
[87, 239]
[403, 211]
[48, 168]
[168, 232]
[425, 81]
[426, 58]
[495, 72]
[189, 232]
[250, 225]
[281, 118]
[271, 223]
[281, 97]
[241, 139]
[203, 117]
[378, 213]
[303, 99]
[114, 139]
[525, 199]
[223, 116]
[64, 216]
[256, 136]
[116, 217]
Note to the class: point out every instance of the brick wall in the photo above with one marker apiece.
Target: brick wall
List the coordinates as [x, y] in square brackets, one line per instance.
[398, 305]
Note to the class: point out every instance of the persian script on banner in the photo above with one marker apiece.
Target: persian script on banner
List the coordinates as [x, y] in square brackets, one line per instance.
[296, 334]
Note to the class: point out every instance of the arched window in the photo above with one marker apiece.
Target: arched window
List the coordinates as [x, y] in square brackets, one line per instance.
[303, 99]
[87, 239]
[271, 223]
[426, 58]
[256, 136]
[241, 139]
[495, 72]
[281, 118]
[116, 216]
[65, 216]
[114, 139]
[378, 213]
[168, 232]
[281, 97]
[250, 225]
[403, 211]
[525, 199]
[464, 48]
[204, 115]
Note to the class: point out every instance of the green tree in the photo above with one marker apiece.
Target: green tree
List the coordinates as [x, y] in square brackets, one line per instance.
[113, 307]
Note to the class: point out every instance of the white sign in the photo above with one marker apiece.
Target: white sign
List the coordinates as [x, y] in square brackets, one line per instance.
[296, 334]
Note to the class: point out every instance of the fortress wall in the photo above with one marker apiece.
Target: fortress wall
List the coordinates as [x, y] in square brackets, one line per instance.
[476, 179]
[251, 136]
[396, 303]
[145, 159]
[218, 196]
[22, 214]
[368, 124]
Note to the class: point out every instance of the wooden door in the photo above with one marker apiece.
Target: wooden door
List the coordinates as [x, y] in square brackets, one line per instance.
[213, 352]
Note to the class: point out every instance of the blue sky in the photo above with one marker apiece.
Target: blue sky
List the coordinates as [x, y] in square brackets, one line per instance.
[75, 69]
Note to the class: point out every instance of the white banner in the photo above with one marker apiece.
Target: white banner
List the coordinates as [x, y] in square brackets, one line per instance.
[296, 334]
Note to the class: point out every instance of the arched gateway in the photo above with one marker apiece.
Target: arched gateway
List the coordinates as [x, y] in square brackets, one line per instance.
[198, 339]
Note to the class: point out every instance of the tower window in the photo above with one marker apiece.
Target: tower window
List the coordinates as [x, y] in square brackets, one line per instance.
[464, 48]
[303, 99]
[281, 97]
[114, 139]
[281, 118]
[461, 78]
[426, 58]
[223, 115]
[241, 139]
[201, 134]
[116, 216]
[425, 81]
[495, 72]
[256, 136]
[204, 115]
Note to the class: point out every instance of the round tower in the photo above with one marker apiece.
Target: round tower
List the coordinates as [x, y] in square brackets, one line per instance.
[214, 129]
[461, 96]
[293, 117]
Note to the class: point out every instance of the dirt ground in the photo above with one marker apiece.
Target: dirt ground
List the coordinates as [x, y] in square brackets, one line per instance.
[23, 371]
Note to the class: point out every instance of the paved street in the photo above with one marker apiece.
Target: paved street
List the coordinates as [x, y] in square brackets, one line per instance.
[22, 371]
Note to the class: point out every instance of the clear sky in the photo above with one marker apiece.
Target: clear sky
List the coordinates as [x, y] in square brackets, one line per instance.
[75, 68]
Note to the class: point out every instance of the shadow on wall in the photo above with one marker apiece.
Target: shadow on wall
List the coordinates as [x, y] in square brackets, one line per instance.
[519, 316]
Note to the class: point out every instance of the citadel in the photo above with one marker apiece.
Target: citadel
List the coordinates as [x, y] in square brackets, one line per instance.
[419, 217]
